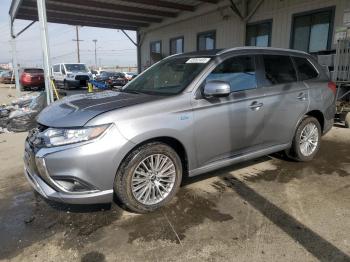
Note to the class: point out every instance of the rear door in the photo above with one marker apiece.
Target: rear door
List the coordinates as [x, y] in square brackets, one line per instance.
[286, 98]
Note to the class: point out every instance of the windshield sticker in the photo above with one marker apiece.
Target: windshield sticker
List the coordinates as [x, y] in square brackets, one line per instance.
[198, 60]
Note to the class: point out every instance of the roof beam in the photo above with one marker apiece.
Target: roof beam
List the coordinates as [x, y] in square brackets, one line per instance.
[113, 6]
[84, 22]
[53, 6]
[166, 4]
[210, 1]
[82, 16]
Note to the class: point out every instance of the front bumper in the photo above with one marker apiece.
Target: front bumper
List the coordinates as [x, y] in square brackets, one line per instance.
[94, 163]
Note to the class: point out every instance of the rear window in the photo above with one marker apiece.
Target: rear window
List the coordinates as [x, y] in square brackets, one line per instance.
[279, 69]
[305, 69]
[34, 70]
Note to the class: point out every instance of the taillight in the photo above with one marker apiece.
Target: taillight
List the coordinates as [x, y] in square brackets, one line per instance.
[332, 86]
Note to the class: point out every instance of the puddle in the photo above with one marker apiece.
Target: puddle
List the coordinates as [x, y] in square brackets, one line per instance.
[171, 222]
[332, 158]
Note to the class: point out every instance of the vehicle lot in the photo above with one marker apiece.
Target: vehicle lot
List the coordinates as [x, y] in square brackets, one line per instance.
[269, 209]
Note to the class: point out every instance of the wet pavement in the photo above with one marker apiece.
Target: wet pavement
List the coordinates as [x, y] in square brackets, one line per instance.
[269, 209]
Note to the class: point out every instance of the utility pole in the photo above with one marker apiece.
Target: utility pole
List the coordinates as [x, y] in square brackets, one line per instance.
[95, 42]
[77, 40]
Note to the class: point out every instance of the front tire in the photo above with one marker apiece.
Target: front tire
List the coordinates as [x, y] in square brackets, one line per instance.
[148, 178]
[306, 141]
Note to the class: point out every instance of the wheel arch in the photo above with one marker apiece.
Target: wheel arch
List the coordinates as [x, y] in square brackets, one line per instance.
[319, 116]
[172, 142]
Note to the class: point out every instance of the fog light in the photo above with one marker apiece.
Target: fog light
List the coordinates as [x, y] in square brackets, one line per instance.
[72, 185]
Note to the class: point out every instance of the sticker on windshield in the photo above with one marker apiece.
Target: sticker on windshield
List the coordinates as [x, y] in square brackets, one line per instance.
[198, 60]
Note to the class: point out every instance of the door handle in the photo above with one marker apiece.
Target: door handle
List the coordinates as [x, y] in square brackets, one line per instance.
[255, 106]
[302, 96]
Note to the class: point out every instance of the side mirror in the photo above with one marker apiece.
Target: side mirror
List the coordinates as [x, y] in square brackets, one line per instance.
[217, 88]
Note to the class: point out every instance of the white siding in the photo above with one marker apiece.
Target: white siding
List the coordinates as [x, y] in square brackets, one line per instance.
[230, 30]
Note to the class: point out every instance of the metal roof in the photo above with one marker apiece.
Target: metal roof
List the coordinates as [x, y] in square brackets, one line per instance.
[118, 14]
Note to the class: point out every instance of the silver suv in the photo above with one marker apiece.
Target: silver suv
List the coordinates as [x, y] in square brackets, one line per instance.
[184, 116]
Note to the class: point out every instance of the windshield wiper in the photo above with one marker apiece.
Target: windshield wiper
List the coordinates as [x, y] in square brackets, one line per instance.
[130, 91]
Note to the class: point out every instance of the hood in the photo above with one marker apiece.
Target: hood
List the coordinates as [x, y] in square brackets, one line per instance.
[77, 110]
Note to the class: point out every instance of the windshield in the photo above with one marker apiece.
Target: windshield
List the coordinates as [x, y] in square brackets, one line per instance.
[168, 77]
[76, 68]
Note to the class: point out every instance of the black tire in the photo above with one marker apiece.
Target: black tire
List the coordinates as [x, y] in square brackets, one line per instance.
[295, 152]
[65, 85]
[347, 120]
[122, 183]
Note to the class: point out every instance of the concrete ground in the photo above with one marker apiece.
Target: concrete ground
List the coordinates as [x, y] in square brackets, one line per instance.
[269, 209]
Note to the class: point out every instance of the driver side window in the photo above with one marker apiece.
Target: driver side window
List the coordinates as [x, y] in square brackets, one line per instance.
[238, 71]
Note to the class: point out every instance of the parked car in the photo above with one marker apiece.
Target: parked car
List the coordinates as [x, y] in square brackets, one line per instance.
[129, 75]
[32, 79]
[6, 77]
[112, 78]
[184, 116]
[71, 75]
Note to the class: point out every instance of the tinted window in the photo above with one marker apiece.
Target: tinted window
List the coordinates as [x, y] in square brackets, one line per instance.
[279, 69]
[56, 68]
[305, 69]
[206, 41]
[34, 70]
[176, 45]
[156, 47]
[311, 31]
[76, 68]
[259, 34]
[239, 72]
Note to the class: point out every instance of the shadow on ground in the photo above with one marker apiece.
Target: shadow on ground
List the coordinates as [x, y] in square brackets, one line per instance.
[26, 218]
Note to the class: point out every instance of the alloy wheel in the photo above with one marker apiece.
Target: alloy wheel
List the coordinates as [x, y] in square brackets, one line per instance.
[153, 179]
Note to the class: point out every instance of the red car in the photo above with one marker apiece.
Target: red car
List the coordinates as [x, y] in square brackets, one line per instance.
[32, 78]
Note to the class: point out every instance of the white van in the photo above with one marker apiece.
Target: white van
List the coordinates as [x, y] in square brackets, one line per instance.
[71, 75]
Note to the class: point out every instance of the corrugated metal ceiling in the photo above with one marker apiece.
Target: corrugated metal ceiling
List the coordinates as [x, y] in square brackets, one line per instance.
[119, 14]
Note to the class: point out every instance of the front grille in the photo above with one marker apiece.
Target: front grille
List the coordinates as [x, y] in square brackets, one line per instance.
[82, 78]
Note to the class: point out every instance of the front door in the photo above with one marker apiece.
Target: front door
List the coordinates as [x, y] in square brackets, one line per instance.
[232, 125]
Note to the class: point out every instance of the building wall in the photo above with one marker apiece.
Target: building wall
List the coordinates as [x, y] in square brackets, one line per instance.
[230, 30]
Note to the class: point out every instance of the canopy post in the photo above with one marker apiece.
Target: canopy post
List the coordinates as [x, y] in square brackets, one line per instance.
[14, 59]
[45, 48]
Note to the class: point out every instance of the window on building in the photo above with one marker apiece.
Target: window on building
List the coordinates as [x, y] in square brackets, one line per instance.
[206, 41]
[279, 69]
[259, 34]
[176, 45]
[238, 71]
[312, 32]
[156, 47]
[305, 69]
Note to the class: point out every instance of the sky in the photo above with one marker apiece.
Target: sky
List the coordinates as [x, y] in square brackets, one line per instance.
[113, 47]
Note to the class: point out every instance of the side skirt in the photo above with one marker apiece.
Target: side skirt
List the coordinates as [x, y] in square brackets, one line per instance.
[237, 159]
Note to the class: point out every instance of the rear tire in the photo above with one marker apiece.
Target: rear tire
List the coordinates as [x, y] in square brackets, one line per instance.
[65, 85]
[142, 184]
[306, 141]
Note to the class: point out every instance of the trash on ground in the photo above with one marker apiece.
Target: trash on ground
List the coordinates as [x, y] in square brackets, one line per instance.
[20, 115]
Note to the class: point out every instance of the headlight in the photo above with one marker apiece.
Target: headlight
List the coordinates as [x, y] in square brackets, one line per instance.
[60, 136]
[70, 75]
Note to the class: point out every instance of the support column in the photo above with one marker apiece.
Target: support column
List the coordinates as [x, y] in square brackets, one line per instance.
[138, 46]
[14, 59]
[15, 65]
[45, 48]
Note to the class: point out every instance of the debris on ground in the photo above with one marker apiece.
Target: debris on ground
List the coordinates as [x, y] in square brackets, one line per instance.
[20, 115]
